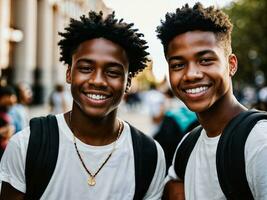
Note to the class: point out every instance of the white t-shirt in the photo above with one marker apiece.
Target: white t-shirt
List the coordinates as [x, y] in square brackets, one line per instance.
[115, 181]
[201, 181]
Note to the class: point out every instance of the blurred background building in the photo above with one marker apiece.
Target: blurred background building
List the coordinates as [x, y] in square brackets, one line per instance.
[29, 52]
[28, 40]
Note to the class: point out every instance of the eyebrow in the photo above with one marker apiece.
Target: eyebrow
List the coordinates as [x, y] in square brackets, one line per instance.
[84, 60]
[198, 54]
[175, 58]
[202, 53]
[111, 64]
[115, 64]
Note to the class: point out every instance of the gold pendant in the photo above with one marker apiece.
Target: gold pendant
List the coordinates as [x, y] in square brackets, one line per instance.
[91, 181]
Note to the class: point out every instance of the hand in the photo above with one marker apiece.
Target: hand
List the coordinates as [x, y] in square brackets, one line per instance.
[174, 190]
[7, 131]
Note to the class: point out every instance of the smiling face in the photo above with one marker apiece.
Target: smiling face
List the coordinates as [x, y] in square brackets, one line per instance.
[98, 77]
[200, 71]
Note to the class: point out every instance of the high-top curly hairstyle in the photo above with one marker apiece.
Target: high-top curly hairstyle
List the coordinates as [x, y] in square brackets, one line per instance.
[117, 31]
[196, 18]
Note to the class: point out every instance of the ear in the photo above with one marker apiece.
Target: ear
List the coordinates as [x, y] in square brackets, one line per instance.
[68, 74]
[232, 60]
[129, 82]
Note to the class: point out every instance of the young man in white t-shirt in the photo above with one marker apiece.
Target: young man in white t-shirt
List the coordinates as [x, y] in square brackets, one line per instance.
[197, 47]
[95, 157]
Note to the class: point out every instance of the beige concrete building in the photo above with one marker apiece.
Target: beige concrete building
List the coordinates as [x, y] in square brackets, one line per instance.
[29, 36]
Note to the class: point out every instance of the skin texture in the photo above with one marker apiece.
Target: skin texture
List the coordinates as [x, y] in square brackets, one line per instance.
[200, 74]
[99, 67]
[198, 62]
[174, 190]
[10, 193]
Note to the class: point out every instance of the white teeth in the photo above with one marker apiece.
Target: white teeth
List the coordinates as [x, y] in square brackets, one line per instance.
[96, 96]
[196, 90]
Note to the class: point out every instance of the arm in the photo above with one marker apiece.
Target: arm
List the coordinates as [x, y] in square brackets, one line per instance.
[174, 186]
[174, 190]
[10, 193]
[12, 167]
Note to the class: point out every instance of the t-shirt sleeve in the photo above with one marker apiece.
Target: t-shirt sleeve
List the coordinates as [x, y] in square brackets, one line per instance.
[13, 161]
[256, 160]
[156, 187]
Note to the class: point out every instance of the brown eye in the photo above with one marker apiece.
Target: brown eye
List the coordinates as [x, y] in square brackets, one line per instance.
[206, 61]
[177, 66]
[114, 73]
[85, 69]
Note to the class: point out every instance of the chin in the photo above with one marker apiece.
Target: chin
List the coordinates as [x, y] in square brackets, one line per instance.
[197, 108]
[94, 113]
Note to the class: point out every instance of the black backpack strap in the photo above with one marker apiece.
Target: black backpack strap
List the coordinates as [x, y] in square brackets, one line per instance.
[145, 161]
[41, 156]
[230, 157]
[184, 151]
[168, 136]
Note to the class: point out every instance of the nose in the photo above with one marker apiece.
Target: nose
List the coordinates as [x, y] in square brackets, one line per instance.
[192, 72]
[97, 79]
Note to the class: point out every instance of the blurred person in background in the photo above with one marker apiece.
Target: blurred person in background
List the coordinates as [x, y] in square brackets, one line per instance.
[132, 100]
[20, 111]
[6, 131]
[58, 100]
[154, 102]
[7, 100]
[249, 96]
[176, 121]
[262, 99]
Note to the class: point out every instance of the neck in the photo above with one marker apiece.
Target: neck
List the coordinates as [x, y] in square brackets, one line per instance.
[93, 131]
[219, 115]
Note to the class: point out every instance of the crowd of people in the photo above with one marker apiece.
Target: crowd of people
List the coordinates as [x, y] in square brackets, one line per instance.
[14, 111]
[206, 145]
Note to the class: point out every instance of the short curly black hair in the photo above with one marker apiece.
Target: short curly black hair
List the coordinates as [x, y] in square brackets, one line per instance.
[117, 31]
[196, 18]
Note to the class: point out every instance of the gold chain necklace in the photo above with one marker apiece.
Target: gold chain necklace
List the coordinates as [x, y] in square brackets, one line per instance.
[92, 177]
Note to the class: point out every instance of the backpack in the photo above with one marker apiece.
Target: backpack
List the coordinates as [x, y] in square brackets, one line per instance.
[230, 157]
[170, 133]
[42, 155]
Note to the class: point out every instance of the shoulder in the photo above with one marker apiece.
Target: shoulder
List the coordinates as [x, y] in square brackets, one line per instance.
[139, 135]
[12, 166]
[160, 151]
[255, 156]
[257, 141]
[260, 125]
[151, 154]
[147, 141]
[60, 118]
[21, 138]
[258, 134]
[18, 144]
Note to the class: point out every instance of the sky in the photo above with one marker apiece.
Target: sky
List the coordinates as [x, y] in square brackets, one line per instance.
[146, 15]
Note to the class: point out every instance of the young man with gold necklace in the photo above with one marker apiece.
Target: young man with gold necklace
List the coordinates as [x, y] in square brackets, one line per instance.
[96, 152]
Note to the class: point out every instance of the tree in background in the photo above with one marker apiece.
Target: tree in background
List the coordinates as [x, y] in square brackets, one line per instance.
[249, 38]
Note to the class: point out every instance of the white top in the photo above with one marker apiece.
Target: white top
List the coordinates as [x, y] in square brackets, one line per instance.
[201, 181]
[115, 181]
